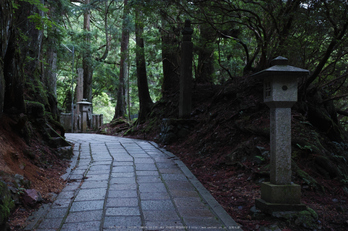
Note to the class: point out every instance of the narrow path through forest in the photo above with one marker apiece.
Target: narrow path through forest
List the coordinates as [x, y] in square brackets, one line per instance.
[127, 184]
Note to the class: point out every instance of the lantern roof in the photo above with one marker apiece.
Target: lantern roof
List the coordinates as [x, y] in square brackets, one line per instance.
[84, 101]
[280, 68]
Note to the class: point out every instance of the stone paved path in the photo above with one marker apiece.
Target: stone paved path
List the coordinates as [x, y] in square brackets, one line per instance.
[126, 184]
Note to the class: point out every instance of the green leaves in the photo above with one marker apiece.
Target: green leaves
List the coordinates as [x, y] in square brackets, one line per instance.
[306, 147]
[37, 3]
[40, 21]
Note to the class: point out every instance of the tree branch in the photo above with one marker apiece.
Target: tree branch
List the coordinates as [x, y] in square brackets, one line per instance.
[334, 80]
[335, 98]
[323, 61]
[344, 113]
[338, 35]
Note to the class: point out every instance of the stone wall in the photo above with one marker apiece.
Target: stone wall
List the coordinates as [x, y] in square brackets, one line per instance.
[65, 120]
[95, 122]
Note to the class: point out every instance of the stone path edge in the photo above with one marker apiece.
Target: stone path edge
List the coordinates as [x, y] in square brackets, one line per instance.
[36, 218]
[205, 194]
[74, 161]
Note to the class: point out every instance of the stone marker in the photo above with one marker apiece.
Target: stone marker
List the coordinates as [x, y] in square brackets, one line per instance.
[280, 94]
[85, 110]
[185, 101]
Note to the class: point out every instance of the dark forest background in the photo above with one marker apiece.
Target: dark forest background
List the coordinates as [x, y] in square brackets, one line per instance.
[130, 53]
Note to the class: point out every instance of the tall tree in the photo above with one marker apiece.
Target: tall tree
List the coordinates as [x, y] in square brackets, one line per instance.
[21, 58]
[143, 88]
[120, 109]
[51, 42]
[6, 21]
[87, 56]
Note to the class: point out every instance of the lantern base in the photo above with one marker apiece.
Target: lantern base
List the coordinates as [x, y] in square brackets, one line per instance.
[277, 198]
[270, 208]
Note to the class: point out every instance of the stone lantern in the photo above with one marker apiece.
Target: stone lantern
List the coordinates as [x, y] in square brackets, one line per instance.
[85, 109]
[280, 94]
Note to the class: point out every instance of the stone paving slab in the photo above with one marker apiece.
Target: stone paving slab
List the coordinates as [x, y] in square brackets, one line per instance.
[118, 183]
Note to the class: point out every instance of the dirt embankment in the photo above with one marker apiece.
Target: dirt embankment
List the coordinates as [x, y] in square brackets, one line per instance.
[30, 164]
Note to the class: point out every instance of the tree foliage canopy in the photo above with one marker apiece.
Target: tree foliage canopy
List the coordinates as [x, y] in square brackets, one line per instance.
[231, 38]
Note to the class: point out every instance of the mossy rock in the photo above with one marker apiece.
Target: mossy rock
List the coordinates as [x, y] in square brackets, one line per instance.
[103, 131]
[6, 203]
[307, 218]
[35, 89]
[313, 213]
[118, 121]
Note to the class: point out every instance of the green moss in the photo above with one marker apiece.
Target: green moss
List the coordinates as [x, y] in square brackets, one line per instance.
[54, 122]
[35, 89]
[129, 131]
[307, 219]
[34, 108]
[29, 129]
[104, 131]
[35, 103]
[49, 116]
[313, 213]
[118, 121]
[150, 125]
[6, 203]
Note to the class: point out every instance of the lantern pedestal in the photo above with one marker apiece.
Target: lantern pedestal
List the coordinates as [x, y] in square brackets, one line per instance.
[279, 198]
